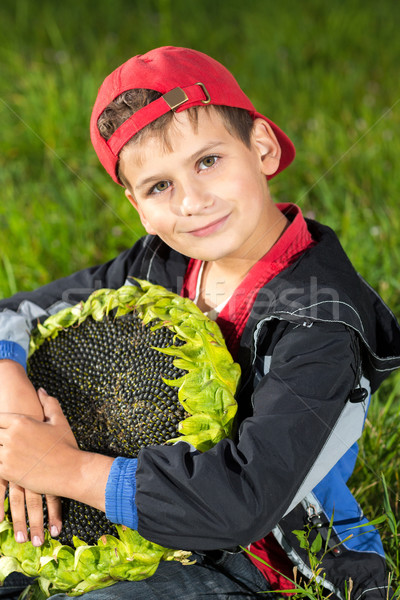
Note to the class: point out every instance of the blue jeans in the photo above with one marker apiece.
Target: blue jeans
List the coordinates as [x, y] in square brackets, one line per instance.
[217, 576]
[13, 585]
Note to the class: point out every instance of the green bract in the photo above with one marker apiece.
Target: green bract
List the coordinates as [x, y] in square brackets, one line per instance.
[206, 392]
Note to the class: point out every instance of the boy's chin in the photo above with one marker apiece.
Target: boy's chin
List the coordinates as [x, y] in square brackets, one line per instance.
[207, 250]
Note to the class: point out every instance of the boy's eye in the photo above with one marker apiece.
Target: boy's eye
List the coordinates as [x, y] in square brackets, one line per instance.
[207, 162]
[161, 186]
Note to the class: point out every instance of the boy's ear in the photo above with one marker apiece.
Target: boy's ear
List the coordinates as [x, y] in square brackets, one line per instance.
[267, 146]
[137, 207]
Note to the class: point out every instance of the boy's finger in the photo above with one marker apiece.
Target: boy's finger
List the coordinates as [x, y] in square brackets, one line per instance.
[17, 506]
[54, 512]
[3, 489]
[34, 506]
[51, 407]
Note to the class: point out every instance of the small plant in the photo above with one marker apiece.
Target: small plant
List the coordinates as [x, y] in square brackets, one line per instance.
[313, 587]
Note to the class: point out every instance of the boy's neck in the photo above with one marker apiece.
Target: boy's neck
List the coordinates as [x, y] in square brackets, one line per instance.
[221, 277]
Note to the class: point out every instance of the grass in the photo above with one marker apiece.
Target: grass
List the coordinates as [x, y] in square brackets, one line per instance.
[327, 72]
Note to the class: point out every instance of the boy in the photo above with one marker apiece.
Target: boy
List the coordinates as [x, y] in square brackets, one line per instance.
[313, 340]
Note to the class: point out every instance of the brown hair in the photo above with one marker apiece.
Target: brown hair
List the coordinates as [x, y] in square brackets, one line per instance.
[236, 120]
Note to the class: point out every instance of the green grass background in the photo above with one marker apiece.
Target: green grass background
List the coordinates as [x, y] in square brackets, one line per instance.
[326, 72]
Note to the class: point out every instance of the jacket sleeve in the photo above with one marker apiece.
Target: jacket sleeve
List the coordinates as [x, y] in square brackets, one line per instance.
[19, 314]
[238, 491]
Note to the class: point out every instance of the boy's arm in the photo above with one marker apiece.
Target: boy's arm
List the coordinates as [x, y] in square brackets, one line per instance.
[17, 393]
[235, 493]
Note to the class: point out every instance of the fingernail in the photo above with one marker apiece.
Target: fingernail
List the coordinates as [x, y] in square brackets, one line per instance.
[20, 537]
[43, 391]
[36, 540]
[54, 531]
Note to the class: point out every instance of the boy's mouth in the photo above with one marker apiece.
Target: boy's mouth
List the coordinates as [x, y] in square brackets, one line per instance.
[210, 228]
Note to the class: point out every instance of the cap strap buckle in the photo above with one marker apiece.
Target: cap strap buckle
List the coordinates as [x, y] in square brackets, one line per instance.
[174, 98]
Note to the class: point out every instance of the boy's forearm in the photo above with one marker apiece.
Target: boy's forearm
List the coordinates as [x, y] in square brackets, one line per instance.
[87, 479]
[17, 394]
[81, 476]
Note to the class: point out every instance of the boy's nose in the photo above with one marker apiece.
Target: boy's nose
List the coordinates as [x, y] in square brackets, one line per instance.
[195, 201]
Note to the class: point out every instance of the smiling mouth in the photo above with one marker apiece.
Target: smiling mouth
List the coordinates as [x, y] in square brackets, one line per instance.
[210, 228]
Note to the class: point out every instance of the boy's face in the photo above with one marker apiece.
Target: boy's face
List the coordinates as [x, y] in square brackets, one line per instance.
[207, 197]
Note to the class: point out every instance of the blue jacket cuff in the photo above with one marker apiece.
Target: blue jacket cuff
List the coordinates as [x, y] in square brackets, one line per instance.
[13, 351]
[120, 492]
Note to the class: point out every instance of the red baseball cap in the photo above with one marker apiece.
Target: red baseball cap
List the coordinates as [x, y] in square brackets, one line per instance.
[185, 78]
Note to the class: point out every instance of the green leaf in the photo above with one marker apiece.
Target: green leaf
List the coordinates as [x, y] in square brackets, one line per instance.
[317, 544]
[8, 565]
[328, 537]
[392, 522]
[302, 537]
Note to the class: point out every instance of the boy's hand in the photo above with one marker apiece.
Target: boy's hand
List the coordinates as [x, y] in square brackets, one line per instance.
[17, 395]
[37, 455]
[44, 456]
